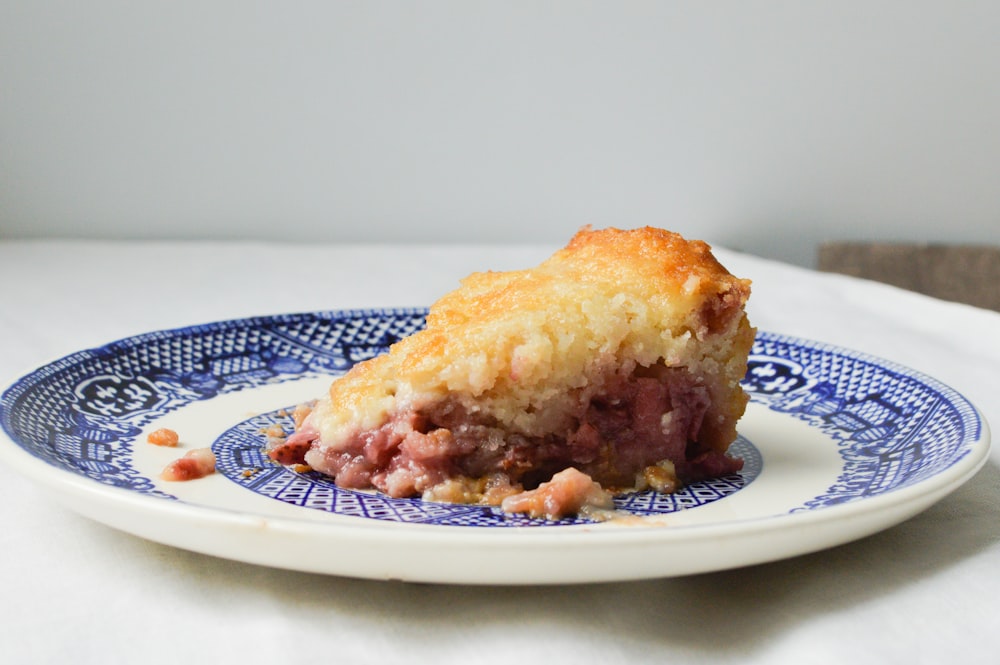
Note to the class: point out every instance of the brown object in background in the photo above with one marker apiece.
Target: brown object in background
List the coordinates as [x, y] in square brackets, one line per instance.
[967, 274]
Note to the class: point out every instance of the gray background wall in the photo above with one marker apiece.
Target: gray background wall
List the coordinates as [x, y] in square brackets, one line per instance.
[763, 126]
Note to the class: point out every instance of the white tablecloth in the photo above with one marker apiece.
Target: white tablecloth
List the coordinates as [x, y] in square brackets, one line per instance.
[926, 591]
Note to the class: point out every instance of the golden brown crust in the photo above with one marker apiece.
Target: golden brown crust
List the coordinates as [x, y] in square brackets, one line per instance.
[657, 265]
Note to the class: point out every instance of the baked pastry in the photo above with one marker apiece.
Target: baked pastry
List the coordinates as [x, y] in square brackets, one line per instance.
[613, 365]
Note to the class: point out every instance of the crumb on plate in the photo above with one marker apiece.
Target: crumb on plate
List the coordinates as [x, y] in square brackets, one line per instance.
[163, 437]
[195, 464]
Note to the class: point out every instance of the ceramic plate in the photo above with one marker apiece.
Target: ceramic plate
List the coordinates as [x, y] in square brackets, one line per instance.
[837, 445]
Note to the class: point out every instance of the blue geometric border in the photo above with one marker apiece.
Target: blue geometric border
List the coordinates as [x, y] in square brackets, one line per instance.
[893, 427]
[82, 413]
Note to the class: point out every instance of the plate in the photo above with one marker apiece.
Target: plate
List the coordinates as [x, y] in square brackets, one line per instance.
[837, 445]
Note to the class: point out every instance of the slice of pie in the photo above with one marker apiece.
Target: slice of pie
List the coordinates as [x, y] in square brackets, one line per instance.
[614, 365]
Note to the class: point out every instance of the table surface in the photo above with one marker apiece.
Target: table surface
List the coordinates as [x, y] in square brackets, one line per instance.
[927, 590]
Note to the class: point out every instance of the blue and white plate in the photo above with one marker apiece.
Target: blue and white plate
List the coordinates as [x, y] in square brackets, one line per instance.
[837, 445]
